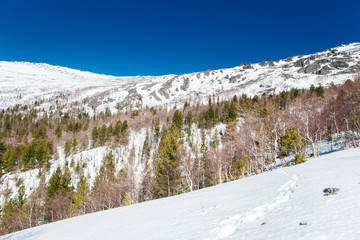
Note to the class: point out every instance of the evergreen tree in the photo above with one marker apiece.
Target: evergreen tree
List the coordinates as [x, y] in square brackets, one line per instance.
[109, 164]
[54, 183]
[298, 158]
[167, 167]
[65, 181]
[79, 198]
[239, 168]
[74, 145]
[58, 131]
[27, 157]
[126, 200]
[95, 135]
[178, 120]
[290, 141]
[67, 148]
[124, 128]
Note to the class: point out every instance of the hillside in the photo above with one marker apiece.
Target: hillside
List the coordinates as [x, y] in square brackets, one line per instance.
[44, 85]
[267, 206]
[74, 143]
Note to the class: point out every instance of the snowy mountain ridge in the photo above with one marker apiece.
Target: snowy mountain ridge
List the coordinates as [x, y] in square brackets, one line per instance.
[45, 85]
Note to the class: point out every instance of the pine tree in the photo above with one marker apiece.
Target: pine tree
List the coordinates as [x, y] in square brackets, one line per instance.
[74, 145]
[54, 183]
[58, 131]
[290, 141]
[95, 135]
[298, 158]
[124, 128]
[79, 198]
[65, 180]
[178, 120]
[167, 167]
[27, 157]
[67, 148]
[109, 164]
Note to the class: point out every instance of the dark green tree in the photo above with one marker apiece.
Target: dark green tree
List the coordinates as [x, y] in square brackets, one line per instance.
[167, 167]
[54, 183]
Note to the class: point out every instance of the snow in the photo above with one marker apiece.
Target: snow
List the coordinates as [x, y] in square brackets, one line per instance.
[25, 83]
[90, 162]
[270, 205]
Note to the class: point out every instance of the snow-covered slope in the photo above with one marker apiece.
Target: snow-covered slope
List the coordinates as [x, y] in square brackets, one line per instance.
[22, 82]
[267, 206]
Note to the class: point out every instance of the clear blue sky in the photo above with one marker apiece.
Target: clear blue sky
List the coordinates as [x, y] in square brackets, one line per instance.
[163, 37]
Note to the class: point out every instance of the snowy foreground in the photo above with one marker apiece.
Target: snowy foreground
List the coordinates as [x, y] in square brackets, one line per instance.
[270, 205]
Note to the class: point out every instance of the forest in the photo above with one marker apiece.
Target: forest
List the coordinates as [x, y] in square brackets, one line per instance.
[258, 130]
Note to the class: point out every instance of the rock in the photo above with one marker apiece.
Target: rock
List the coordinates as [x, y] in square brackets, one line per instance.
[323, 71]
[330, 191]
[263, 63]
[185, 84]
[266, 63]
[322, 61]
[312, 68]
[246, 66]
[339, 64]
[110, 99]
[94, 104]
[355, 68]
[300, 63]
[207, 73]
[312, 57]
[233, 79]
[303, 223]
[154, 95]
[288, 59]
[301, 70]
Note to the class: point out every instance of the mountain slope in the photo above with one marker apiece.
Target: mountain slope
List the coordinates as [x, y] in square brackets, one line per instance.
[46, 85]
[267, 206]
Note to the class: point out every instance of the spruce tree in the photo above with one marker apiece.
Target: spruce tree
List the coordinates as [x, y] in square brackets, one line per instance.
[79, 198]
[67, 148]
[167, 167]
[54, 183]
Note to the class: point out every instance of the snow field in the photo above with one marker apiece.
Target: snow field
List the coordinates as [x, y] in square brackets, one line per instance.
[270, 205]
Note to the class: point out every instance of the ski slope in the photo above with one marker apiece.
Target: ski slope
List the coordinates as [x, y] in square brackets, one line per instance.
[270, 205]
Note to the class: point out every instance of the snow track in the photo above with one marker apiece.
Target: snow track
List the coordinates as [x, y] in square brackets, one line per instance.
[235, 223]
[270, 205]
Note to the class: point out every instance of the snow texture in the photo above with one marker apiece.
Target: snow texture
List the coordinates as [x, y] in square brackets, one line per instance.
[286, 203]
[45, 85]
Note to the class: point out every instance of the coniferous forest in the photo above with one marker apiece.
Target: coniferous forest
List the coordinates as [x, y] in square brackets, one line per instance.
[186, 148]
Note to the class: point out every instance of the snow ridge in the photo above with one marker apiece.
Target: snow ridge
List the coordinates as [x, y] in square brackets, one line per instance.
[45, 85]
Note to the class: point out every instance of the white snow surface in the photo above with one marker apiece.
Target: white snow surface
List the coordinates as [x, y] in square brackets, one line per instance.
[270, 205]
[27, 83]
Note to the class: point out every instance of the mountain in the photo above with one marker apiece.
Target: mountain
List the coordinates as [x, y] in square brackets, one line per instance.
[44, 85]
[73, 142]
[286, 203]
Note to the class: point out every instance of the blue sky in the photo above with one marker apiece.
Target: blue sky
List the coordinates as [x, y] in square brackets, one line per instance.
[163, 37]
